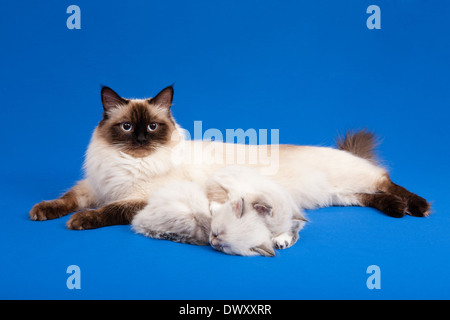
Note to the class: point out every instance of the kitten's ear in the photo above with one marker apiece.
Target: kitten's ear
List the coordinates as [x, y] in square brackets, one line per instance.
[264, 250]
[238, 207]
[110, 99]
[262, 208]
[164, 98]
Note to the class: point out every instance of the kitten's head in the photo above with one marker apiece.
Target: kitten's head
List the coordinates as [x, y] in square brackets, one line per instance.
[239, 228]
[139, 126]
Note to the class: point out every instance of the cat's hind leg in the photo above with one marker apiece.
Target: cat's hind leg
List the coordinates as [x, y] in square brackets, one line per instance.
[394, 200]
[387, 203]
[390, 204]
[416, 205]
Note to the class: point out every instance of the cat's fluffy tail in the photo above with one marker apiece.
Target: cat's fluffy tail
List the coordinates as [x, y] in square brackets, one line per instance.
[361, 143]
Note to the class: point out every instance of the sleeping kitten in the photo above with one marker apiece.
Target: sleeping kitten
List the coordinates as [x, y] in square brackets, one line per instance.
[251, 218]
[237, 228]
[138, 147]
[180, 212]
[266, 198]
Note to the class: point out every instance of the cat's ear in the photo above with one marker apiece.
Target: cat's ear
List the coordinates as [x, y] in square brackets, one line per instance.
[262, 208]
[238, 207]
[164, 98]
[264, 250]
[110, 99]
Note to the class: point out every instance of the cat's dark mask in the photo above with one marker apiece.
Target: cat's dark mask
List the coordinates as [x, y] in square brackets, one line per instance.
[137, 126]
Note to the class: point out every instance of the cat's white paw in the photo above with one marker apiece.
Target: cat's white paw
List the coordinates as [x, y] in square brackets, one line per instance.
[283, 240]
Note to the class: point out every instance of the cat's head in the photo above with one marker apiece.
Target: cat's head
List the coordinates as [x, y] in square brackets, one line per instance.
[137, 126]
[239, 228]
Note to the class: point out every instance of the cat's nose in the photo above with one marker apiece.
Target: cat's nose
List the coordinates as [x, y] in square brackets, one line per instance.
[141, 139]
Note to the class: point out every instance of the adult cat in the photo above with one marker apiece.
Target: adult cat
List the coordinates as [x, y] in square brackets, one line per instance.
[138, 147]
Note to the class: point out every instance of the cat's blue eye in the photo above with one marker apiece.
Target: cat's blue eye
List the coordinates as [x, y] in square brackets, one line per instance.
[152, 126]
[126, 126]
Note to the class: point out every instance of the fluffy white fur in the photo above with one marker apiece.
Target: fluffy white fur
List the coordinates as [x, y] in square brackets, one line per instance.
[311, 177]
[246, 183]
[257, 216]
[178, 211]
[115, 175]
[126, 171]
[314, 176]
[238, 230]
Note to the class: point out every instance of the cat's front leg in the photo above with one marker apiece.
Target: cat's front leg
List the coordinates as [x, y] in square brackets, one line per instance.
[289, 238]
[79, 197]
[116, 213]
[285, 240]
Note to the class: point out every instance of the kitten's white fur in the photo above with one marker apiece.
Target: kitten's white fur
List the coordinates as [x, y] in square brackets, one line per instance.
[180, 211]
[180, 208]
[237, 229]
[243, 182]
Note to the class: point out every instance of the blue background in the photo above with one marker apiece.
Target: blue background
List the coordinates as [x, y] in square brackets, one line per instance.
[309, 68]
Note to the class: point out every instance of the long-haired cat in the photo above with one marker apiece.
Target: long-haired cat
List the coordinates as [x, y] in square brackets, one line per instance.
[246, 213]
[138, 147]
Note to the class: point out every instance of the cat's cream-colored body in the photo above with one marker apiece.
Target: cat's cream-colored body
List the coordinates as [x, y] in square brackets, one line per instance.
[315, 176]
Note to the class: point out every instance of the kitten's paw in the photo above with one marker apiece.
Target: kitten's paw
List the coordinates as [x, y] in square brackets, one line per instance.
[284, 240]
[47, 210]
[418, 207]
[82, 220]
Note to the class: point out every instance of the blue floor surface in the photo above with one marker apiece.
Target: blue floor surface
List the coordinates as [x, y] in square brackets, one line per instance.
[308, 68]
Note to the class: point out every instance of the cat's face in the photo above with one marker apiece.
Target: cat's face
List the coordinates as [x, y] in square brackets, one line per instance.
[239, 229]
[137, 127]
